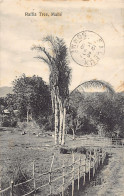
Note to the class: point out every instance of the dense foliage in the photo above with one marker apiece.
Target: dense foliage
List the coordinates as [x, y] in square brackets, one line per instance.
[30, 99]
[31, 93]
[96, 112]
[87, 112]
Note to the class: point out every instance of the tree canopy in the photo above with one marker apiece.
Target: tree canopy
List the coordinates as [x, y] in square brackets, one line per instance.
[57, 60]
[32, 93]
[92, 112]
[59, 79]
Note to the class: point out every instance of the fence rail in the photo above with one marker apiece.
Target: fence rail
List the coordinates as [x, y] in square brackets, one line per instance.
[99, 141]
[79, 169]
[92, 161]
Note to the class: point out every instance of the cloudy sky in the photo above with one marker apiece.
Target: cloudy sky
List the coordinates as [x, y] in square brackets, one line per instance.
[18, 33]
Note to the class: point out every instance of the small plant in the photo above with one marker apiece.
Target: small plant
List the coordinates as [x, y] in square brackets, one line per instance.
[17, 173]
[81, 150]
[20, 177]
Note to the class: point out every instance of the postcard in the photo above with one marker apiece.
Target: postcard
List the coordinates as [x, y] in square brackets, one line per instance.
[62, 98]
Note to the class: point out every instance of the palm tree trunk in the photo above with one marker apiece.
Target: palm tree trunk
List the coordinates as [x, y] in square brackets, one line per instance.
[27, 115]
[53, 101]
[60, 126]
[61, 122]
[73, 134]
[31, 116]
[56, 113]
[63, 134]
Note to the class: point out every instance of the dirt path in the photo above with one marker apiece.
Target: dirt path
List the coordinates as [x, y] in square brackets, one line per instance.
[111, 178]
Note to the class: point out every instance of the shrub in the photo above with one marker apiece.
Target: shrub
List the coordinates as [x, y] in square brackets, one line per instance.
[9, 122]
[81, 150]
[20, 177]
[19, 174]
[6, 123]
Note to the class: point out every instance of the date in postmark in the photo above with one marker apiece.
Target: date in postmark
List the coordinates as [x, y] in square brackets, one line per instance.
[87, 48]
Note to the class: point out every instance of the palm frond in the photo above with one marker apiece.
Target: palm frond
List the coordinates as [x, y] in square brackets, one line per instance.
[52, 41]
[96, 84]
[42, 49]
[44, 60]
[58, 63]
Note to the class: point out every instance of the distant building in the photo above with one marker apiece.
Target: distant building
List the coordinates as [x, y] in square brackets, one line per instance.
[6, 112]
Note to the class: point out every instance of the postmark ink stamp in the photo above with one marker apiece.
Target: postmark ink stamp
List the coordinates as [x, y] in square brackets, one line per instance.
[87, 48]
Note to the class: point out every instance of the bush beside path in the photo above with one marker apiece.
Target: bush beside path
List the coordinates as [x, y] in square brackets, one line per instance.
[111, 177]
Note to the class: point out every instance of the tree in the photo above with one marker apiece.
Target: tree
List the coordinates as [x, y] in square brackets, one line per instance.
[3, 104]
[98, 109]
[119, 113]
[32, 96]
[11, 102]
[57, 60]
[91, 106]
[95, 84]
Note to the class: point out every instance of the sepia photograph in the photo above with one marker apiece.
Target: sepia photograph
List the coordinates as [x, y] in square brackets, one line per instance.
[61, 98]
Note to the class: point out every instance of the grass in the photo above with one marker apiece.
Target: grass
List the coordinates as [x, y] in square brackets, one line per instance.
[17, 153]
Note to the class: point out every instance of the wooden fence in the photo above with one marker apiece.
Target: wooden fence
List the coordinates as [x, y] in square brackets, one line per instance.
[98, 141]
[79, 169]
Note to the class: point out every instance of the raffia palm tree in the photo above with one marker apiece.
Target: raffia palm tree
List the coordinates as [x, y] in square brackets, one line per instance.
[95, 84]
[100, 84]
[59, 80]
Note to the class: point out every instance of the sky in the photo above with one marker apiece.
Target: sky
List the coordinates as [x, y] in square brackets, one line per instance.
[18, 33]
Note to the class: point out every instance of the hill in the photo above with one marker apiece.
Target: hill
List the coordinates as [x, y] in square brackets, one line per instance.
[5, 90]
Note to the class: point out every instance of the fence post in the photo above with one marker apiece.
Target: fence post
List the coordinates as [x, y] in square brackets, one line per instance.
[79, 173]
[94, 163]
[93, 167]
[50, 182]
[73, 174]
[50, 175]
[89, 164]
[99, 156]
[84, 172]
[96, 159]
[0, 184]
[102, 154]
[12, 188]
[34, 177]
[73, 135]
[111, 141]
[105, 156]
[63, 179]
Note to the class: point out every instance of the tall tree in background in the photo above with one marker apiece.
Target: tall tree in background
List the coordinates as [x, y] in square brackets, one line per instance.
[10, 100]
[31, 95]
[3, 104]
[87, 105]
[57, 60]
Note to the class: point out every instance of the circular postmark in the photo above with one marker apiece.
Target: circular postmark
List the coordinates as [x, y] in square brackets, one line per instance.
[87, 48]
